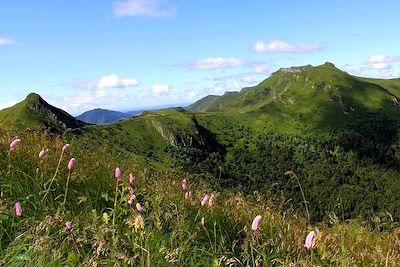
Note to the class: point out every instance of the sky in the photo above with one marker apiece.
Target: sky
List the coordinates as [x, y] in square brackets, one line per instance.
[131, 54]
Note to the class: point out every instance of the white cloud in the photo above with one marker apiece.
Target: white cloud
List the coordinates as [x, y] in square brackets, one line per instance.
[382, 59]
[381, 66]
[278, 46]
[113, 81]
[6, 41]
[261, 68]
[212, 63]
[218, 89]
[147, 8]
[7, 104]
[107, 81]
[192, 94]
[376, 66]
[382, 63]
[160, 89]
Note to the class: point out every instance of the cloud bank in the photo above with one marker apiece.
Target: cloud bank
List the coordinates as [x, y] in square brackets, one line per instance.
[6, 41]
[113, 81]
[212, 63]
[278, 46]
[104, 82]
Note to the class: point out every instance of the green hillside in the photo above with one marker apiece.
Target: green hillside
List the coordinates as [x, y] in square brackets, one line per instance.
[35, 113]
[319, 96]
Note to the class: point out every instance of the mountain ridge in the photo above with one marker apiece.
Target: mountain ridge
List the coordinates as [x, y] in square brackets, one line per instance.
[286, 87]
[35, 113]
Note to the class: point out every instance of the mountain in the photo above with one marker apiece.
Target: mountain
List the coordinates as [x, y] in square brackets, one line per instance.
[316, 95]
[102, 116]
[35, 113]
[338, 132]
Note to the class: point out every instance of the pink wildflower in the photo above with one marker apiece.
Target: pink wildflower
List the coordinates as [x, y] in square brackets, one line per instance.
[43, 153]
[204, 200]
[117, 174]
[65, 147]
[202, 222]
[139, 207]
[211, 200]
[14, 143]
[18, 209]
[131, 178]
[188, 195]
[309, 240]
[131, 200]
[256, 222]
[131, 190]
[184, 185]
[71, 164]
[68, 226]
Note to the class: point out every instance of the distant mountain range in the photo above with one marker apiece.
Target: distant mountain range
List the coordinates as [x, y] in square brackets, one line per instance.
[105, 116]
[303, 96]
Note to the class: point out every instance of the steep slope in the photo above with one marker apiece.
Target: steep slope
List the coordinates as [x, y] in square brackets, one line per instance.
[102, 116]
[309, 94]
[35, 113]
[151, 133]
[207, 103]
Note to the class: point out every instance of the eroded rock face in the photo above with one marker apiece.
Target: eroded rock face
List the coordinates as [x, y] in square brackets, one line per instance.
[295, 69]
[194, 136]
[46, 114]
[343, 104]
[175, 138]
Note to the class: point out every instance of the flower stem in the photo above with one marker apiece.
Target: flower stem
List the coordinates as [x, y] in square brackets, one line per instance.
[54, 176]
[114, 211]
[66, 189]
[304, 198]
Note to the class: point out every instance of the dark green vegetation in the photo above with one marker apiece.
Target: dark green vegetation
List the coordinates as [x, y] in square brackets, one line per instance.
[337, 132]
[103, 116]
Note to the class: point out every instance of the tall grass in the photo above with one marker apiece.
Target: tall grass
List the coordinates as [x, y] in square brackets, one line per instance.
[106, 230]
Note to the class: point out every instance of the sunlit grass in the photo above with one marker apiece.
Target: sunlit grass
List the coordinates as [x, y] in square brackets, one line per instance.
[93, 223]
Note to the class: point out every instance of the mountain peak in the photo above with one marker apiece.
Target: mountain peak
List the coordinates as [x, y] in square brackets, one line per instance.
[34, 112]
[34, 98]
[329, 64]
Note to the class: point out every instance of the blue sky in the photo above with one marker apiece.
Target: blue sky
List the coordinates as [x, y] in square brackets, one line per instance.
[129, 54]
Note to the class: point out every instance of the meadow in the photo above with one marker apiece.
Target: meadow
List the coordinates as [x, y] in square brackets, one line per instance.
[112, 209]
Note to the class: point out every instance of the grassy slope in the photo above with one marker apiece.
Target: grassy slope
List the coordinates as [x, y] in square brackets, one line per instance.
[170, 234]
[147, 135]
[314, 98]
